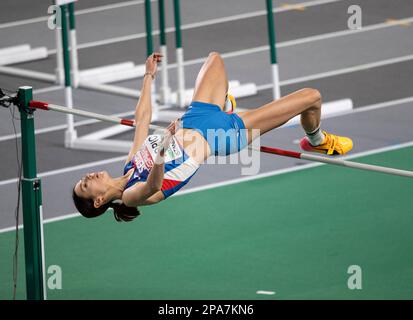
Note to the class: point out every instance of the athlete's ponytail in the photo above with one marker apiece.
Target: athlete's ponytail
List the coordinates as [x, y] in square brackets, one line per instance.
[123, 213]
[88, 210]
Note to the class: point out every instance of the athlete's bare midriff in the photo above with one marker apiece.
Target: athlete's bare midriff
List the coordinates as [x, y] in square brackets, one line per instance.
[194, 144]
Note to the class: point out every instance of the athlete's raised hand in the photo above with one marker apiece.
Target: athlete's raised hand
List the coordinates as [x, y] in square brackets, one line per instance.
[152, 63]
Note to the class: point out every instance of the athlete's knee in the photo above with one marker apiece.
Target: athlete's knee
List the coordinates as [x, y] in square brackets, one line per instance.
[215, 57]
[214, 54]
[313, 96]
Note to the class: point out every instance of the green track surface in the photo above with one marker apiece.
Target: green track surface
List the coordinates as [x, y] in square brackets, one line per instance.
[294, 233]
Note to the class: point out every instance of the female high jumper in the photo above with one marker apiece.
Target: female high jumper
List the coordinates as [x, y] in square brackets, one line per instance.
[159, 165]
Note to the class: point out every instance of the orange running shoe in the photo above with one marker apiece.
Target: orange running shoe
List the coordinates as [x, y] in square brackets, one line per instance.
[332, 145]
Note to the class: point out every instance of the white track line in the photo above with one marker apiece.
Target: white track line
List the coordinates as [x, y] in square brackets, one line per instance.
[36, 132]
[69, 169]
[309, 77]
[383, 105]
[79, 123]
[348, 70]
[343, 33]
[47, 89]
[22, 22]
[265, 292]
[64, 126]
[337, 72]
[65, 217]
[249, 178]
[110, 7]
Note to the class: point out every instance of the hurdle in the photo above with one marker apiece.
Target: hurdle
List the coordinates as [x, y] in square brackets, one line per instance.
[97, 141]
[164, 89]
[21, 53]
[329, 109]
[68, 75]
[100, 78]
[96, 79]
[93, 78]
[273, 51]
[98, 75]
[25, 54]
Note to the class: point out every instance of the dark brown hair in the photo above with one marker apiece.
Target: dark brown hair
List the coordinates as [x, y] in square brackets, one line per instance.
[88, 210]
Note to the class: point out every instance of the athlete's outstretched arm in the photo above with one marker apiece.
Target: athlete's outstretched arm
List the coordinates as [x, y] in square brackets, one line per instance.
[149, 192]
[139, 193]
[143, 111]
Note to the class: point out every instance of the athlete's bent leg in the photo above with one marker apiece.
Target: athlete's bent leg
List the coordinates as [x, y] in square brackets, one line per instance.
[307, 103]
[211, 85]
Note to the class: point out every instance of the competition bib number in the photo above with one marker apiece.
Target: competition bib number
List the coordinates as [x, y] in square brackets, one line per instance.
[145, 157]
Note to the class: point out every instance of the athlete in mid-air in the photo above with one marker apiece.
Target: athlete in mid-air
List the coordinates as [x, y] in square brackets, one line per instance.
[159, 165]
